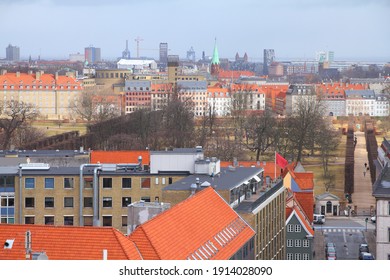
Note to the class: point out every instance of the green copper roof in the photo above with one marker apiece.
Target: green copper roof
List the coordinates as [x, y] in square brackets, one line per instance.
[215, 59]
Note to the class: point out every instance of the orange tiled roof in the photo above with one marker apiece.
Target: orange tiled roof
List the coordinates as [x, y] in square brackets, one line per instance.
[67, 242]
[120, 156]
[233, 74]
[305, 180]
[25, 81]
[296, 210]
[306, 200]
[193, 229]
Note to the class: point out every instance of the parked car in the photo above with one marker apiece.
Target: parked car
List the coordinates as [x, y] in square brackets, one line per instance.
[318, 219]
[331, 257]
[363, 248]
[331, 252]
[366, 256]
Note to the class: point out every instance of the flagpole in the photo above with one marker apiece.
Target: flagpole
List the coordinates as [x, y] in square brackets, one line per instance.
[275, 167]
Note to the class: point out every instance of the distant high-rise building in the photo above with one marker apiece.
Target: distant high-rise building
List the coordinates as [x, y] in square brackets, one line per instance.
[12, 53]
[164, 53]
[325, 56]
[92, 55]
[191, 54]
[173, 65]
[126, 52]
[269, 57]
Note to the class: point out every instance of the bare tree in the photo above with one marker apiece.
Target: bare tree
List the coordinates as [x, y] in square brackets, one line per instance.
[259, 130]
[96, 105]
[16, 114]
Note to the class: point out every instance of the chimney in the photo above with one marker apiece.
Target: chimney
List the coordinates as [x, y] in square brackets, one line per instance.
[197, 183]
[18, 74]
[140, 162]
[38, 75]
[3, 71]
[56, 76]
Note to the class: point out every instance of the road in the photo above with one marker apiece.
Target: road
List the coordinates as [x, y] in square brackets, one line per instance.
[347, 233]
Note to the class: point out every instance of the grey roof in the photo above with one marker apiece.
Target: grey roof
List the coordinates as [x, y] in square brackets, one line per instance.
[175, 151]
[325, 195]
[225, 180]
[381, 187]
[43, 153]
[361, 93]
[386, 143]
[249, 206]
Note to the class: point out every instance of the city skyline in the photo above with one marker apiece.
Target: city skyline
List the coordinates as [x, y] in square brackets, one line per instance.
[294, 29]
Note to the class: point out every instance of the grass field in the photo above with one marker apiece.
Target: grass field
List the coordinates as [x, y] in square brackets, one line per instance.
[51, 128]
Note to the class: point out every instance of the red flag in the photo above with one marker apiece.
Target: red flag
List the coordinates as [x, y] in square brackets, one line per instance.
[281, 161]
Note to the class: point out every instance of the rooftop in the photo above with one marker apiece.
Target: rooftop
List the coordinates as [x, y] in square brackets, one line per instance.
[188, 231]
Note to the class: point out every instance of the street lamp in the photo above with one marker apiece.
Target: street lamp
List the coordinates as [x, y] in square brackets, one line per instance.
[366, 223]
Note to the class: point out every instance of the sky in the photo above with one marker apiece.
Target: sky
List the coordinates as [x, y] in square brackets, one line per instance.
[295, 29]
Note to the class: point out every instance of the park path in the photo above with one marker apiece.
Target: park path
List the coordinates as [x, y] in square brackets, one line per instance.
[362, 198]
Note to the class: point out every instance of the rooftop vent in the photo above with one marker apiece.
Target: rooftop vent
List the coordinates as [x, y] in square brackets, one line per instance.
[9, 243]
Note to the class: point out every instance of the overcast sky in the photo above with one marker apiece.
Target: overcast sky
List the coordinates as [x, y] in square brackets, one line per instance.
[353, 29]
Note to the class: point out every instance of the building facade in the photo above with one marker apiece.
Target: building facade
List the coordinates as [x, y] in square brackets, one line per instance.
[12, 53]
[92, 55]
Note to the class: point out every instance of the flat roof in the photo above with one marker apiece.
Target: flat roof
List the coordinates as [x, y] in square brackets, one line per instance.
[227, 179]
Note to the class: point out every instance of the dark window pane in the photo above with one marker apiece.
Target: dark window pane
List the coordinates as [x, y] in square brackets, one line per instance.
[49, 202]
[49, 183]
[88, 202]
[126, 183]
[126, 201]
[29, 202]
[107, 221]
[107, 183]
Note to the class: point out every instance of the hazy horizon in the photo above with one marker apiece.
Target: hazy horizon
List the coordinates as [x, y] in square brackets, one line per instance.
[354, 29]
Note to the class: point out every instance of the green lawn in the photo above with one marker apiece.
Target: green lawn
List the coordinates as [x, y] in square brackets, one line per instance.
[51, 128]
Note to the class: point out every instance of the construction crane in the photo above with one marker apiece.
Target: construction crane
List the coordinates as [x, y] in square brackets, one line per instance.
[138, 39]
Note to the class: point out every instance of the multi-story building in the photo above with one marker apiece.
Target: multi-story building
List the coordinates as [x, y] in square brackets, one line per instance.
[268, 58]
[92, 55]
[164, 54]
[296, 94]
[194, 92]
[12, 53]
[381, 192]
[248, 97]
[243, 188]
[384, 153]
[138, 95]
[219, 101]
[360, 102]
[50, 94]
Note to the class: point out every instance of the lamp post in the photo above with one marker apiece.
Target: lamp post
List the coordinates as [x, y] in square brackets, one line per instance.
[366, 223]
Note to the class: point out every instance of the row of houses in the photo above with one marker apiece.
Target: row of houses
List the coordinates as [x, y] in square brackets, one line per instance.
[173, 205]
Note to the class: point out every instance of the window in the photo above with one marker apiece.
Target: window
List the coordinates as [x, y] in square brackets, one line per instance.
[88, 221]
[68, 183]
[29, 220]
[298, 256]
[145, 198]
[156, 181]
[68, 220]
[297, 228]
[126, 183]
[163, 181]
[305, 256]
[389, 208]
[124, 221]
[49, 202]
[306, 243]
[68, 202]
[49, 220]
[289, 242]
[170, 180]
[49, 183]
[290, 256]
[290, 228]
[107, 183]
[297, 243]
[29, 202]
[88, 183]
[29, 183]
[145, 183]
[88, 202]
[126, 201]
[107, 221]
[107, 201]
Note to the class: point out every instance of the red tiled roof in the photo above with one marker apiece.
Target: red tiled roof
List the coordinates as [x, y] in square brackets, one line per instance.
[297, 211]
[28, 81]
[305, 180]
[189, 227]
[233, 74]
[306, 200]
[120, 156]
[68, 242]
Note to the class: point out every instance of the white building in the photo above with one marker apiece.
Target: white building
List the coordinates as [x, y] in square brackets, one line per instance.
[381, 192]
[365, 102]
[220, 103]
[137, 64]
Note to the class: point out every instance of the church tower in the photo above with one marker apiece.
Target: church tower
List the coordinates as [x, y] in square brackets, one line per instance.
[215, 61]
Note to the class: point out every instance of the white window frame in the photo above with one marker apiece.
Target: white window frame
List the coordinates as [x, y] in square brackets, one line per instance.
[290, 256]
[297, 243]
[290, 243]
[290, 228]
[305, 256]
[298, 256]
[306, 243]
[297, 228]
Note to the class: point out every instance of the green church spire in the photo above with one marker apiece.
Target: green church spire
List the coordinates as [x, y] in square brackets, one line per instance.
[215, 59]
